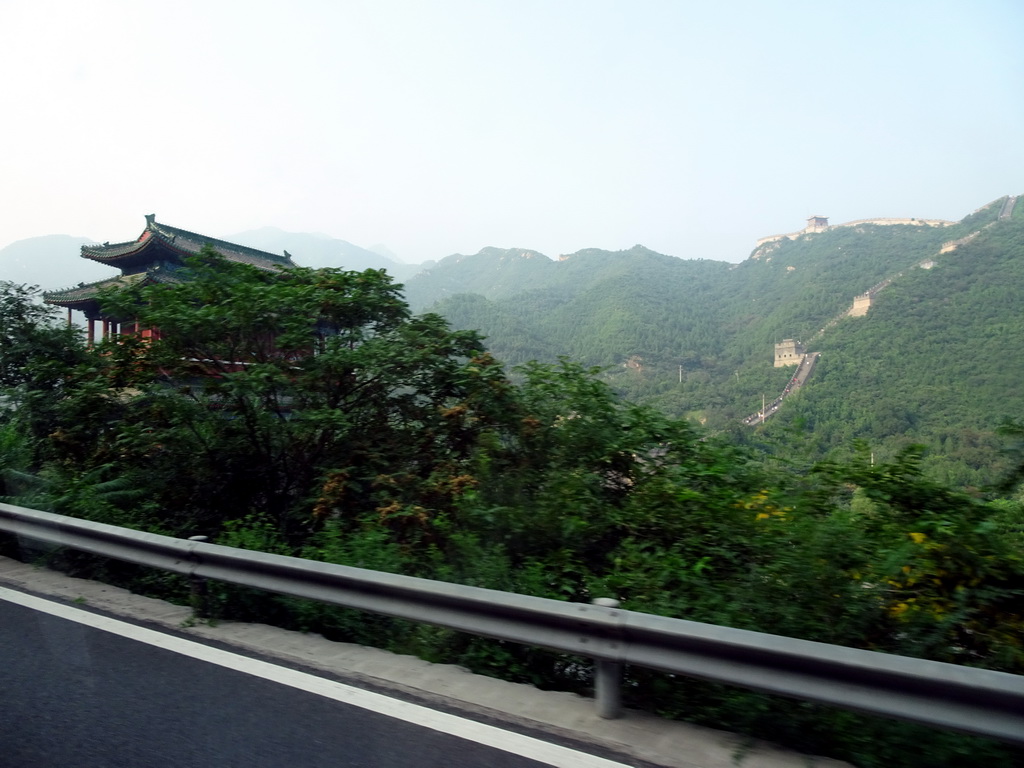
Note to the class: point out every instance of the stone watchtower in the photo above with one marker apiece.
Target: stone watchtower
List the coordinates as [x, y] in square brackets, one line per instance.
[788, 352]
[817, 224]
[861, 305]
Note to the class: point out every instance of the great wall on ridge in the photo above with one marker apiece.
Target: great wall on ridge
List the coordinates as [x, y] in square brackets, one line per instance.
[792, 352]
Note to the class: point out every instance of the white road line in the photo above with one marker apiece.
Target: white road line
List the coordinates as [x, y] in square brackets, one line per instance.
[488, 735]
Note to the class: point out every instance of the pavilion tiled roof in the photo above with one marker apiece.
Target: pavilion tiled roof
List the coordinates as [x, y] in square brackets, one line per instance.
[154, 257]
[84, 293]
[185, 243]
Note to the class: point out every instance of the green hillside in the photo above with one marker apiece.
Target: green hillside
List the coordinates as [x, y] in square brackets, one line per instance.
[935, 361]
[938, 359]
[493, 272]
[596, 306]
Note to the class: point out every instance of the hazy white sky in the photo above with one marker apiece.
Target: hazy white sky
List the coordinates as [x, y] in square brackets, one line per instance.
[444, 126]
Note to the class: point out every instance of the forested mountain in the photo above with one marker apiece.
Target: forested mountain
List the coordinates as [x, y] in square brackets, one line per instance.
[597, 306]
[939, 359]
[936, 360]
[493, 272]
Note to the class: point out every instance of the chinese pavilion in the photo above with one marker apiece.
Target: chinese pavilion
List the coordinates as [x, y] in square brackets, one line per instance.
[153, 257]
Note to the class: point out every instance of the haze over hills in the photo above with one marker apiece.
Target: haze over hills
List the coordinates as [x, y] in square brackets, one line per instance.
[50, 261]
[937, 359]
[317, 250]
[788, 288]
[492, 272]
[54, 261]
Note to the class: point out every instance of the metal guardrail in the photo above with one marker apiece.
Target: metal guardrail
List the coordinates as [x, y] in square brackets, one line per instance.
[945, 695]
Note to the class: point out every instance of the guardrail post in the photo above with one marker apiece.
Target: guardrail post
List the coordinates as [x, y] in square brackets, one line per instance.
[199, 594]
[607, 676]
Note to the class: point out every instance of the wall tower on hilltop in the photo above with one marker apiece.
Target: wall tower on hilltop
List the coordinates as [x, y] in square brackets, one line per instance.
[817, 224]
[788, 352]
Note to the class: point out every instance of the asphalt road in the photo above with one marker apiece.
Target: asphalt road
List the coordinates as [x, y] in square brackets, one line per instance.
[76, 695]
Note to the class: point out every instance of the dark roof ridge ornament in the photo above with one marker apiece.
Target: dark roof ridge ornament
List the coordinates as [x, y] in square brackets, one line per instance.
[150, 219]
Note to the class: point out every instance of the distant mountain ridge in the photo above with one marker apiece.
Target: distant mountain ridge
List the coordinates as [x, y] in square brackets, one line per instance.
[318, 251]
[791, 290]
[500, 273]
[696, 338]
[492, 272]
[50, 261]
[54, 261]
[594, 305]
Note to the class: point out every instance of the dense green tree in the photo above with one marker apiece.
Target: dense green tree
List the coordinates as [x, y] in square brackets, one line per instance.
[297, 395]
[38, 355]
